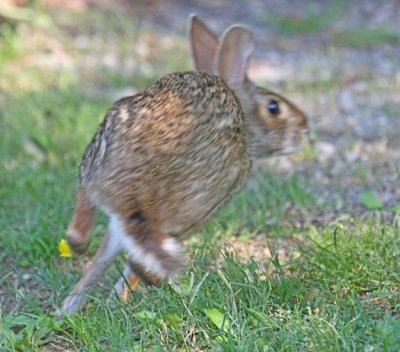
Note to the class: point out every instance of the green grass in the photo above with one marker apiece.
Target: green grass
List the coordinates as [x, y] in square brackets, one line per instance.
[336, 290]
[364, 37]
[308, 23]
[311, 22]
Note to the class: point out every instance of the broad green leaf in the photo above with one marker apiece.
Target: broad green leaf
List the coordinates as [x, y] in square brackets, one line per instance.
[145, 314]
[11, 321]
[396, 208]
[370, 200]
[173, 319]
[218, 318]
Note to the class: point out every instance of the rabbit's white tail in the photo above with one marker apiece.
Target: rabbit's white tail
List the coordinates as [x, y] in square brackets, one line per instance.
[80, 227]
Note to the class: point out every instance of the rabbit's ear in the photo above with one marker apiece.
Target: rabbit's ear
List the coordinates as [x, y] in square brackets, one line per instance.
[233, 54]
[203, 44]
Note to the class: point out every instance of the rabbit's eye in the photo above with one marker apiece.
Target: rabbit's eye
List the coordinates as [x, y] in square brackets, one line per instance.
[273, 107]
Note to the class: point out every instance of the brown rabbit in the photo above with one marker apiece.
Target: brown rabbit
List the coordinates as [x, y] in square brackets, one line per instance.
[167, 159]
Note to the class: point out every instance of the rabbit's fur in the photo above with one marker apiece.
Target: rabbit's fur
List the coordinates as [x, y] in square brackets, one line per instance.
[165, 160]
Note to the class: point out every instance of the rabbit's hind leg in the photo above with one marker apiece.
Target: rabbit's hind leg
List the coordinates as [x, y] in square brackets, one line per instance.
[80, 227]
[127, 282]
[132, 275]
[132, 283]
[153, 256]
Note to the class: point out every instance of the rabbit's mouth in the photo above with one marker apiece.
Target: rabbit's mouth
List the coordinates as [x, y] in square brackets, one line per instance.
[294, 143]
[291, 149]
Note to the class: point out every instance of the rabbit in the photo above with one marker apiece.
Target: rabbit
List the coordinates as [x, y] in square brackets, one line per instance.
[167, 159]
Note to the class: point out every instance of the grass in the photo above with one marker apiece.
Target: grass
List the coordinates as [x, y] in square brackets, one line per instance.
[308, 23]
[313, 22]
[364, 37]
[335, 289]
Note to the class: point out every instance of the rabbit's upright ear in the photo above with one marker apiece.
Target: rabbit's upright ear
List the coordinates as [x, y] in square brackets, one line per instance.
[203, 44]
[233, 54]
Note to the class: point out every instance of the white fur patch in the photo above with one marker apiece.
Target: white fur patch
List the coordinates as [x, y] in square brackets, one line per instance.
[225, 120]
[172, 247]
[134, 250]
[115, 243]
[73, 234]
[123, 113]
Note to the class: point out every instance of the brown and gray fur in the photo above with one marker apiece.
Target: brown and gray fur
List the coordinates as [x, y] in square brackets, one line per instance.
[165, 160]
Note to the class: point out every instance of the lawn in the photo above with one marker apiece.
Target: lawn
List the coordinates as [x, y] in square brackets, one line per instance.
[305, 258]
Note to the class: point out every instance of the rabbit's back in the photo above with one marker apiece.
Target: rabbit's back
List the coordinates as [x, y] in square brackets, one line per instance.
[171, 155]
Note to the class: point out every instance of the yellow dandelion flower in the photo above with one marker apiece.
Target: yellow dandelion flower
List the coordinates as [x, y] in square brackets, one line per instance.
[64, 249]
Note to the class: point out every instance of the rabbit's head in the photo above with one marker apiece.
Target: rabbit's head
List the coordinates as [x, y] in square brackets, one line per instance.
[274, 125]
